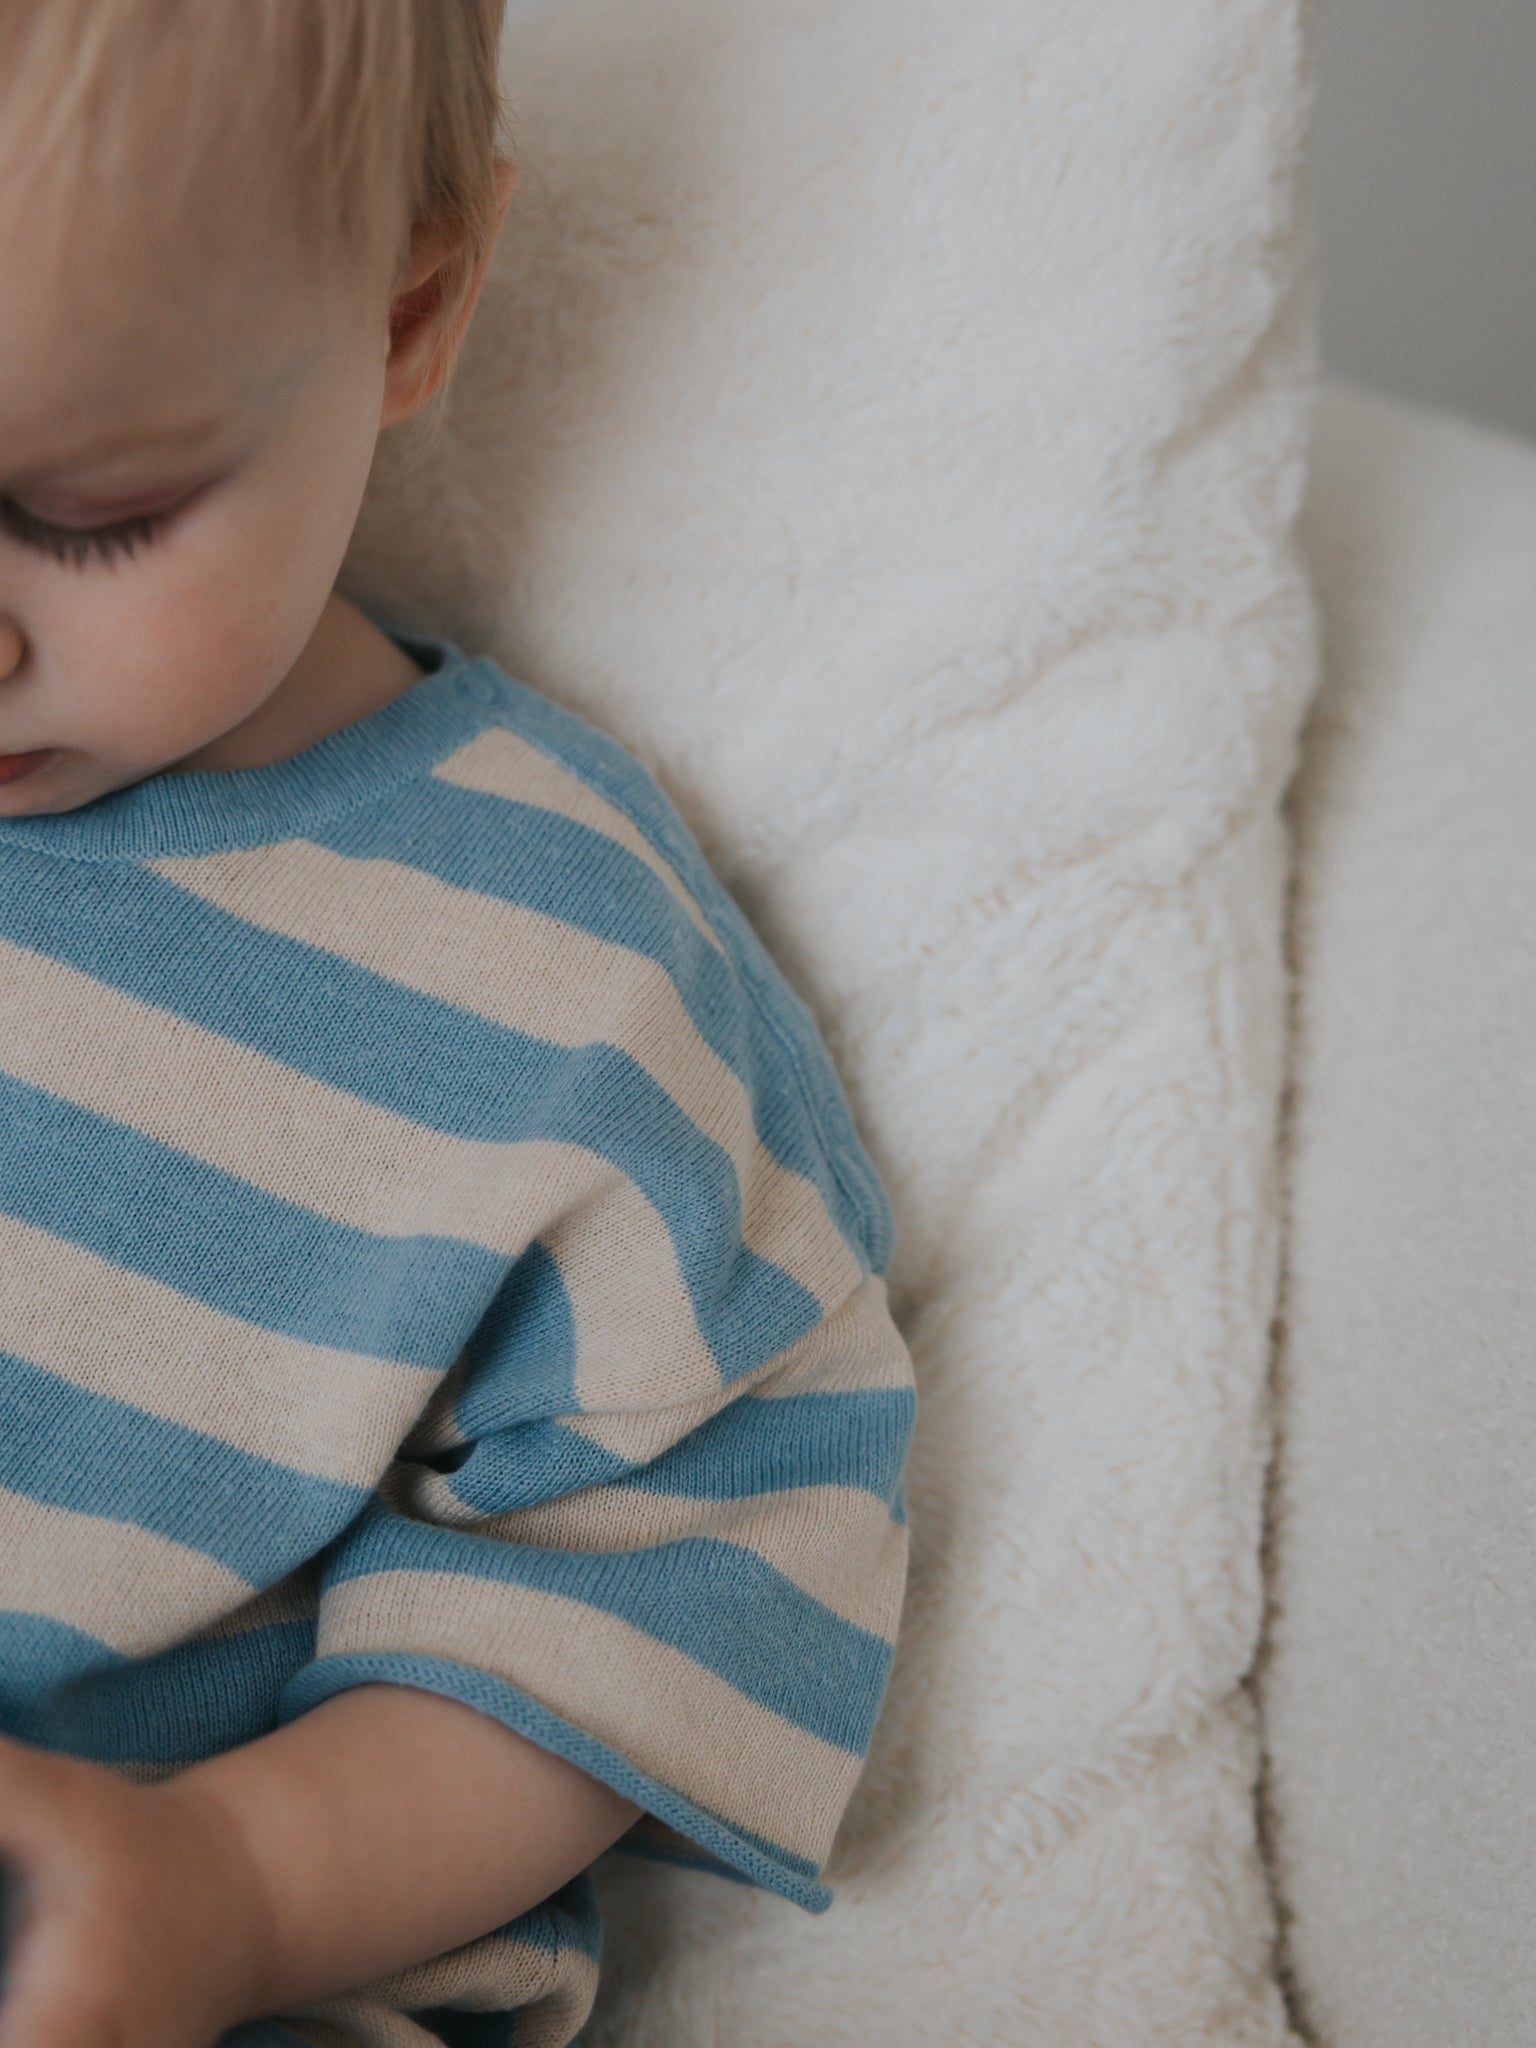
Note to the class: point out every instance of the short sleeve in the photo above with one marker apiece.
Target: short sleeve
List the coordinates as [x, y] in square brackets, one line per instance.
[653, 1518]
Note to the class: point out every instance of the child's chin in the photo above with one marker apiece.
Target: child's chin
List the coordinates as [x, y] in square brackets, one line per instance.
[15, 768]
[54, 785]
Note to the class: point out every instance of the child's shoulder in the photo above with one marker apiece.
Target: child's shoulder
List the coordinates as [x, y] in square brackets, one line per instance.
[576, 826]
[551, 881]
[601, 811]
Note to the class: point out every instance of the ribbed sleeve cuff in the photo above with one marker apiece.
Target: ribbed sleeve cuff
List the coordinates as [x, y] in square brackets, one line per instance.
[761, 1862]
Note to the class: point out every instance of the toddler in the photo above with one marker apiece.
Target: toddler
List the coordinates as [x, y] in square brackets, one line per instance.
[450, 1416]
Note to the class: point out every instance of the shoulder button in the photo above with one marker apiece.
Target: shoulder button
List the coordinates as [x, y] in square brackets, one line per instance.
[480, 686]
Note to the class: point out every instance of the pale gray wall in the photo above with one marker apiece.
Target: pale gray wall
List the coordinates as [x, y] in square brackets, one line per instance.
[1424, 196]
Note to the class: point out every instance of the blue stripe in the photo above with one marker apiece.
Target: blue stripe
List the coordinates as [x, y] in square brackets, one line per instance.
[608, 767]
[521, 1361]
[188, 1702]
[718, 1603]
[754, 1446]
[210, 811]
[37, 1655]
[766, 1445]
[515, 852]
[778, 1024]
[766, 1863]
[424, 1060]
[76, 1449]
[523, 1467]
[220, 1240]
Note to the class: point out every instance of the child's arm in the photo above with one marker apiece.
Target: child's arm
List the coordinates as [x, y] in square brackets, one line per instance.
[389, 1824]
[385, 1826]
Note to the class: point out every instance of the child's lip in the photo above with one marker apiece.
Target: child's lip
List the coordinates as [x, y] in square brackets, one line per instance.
[14, 766]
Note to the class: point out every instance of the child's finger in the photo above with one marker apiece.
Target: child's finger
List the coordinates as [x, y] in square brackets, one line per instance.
[57, 2017]
[27, 1793]
[35, 1788]
[65, 1989]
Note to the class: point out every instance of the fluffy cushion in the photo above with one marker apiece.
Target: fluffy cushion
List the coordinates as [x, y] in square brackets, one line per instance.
[1400, 1687]
[888, 418]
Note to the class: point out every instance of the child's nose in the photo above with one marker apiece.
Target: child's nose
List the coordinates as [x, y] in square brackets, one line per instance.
[10, 648]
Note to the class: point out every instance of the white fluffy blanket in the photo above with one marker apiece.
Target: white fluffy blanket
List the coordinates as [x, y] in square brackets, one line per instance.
[889, 419]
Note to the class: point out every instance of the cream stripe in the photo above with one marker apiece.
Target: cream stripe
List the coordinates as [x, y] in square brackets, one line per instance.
[502, 763]
[353, 2022]
[301, 1140]
[483, 1976]
[132, 1590]
[294, 1598]
[336, 1414]
[641, 1435]
[551, 1995]
[675, 1720]
[836, 1543]
[251, 1116]
[857, 1349]
[435, 1429]
[563, 2005]
[637, 1338]
[559, 2015]
[536, 975]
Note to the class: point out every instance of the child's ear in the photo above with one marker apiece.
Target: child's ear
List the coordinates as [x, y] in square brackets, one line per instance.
[424, 340]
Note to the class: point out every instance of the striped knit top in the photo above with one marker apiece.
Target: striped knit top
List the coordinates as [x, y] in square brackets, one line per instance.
[435, 1248]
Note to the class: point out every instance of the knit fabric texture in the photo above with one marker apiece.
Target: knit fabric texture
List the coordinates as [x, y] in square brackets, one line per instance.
[436, 1248]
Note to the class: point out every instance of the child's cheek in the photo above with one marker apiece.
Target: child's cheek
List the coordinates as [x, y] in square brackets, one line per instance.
[169, 652]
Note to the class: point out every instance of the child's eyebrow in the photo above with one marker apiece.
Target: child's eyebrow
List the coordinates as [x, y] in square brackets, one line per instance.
[107, 447]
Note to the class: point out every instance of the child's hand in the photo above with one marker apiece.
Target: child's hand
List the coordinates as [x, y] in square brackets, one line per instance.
[136, 1918]
[382, 1827]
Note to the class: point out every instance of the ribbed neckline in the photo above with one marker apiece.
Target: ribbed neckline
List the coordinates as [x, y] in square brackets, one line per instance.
[217, 810]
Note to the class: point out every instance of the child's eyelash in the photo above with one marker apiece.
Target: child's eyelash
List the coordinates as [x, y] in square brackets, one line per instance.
[78, 546]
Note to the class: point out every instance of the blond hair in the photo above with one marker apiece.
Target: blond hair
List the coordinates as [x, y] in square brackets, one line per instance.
[389, 111]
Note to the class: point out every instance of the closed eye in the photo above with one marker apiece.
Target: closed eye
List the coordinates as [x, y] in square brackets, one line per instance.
[77, 545]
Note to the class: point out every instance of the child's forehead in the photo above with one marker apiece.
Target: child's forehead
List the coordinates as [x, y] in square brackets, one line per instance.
[150, 226]
[93, 92]
[121, 319]
[162, 227]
